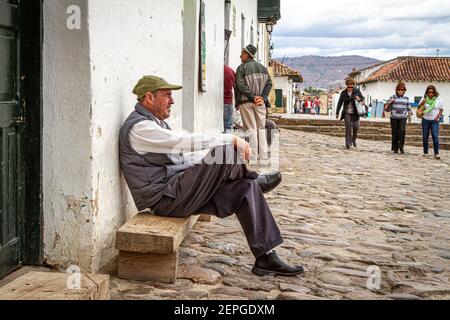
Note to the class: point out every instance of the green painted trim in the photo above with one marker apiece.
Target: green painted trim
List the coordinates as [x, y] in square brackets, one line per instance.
[31, 97]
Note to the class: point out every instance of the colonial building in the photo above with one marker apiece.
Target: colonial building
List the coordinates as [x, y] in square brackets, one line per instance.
[67, 70]
[285, 79]
[378, 82]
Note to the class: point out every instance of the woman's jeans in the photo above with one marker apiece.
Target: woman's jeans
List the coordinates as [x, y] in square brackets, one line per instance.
[227, 117]
[432, 125]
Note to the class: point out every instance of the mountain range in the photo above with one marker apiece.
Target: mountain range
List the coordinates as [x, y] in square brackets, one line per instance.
[326, 72]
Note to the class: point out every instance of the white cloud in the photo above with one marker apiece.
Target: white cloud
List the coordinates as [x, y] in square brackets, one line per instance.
[382, 29]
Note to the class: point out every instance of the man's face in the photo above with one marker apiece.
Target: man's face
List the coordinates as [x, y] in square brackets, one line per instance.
[161, 103]
[244, 56]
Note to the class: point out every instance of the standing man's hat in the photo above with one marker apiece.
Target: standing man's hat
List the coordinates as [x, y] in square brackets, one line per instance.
[152, 84]
[251, 50]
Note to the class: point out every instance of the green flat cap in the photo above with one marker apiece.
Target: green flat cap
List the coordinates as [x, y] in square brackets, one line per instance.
[152, 84]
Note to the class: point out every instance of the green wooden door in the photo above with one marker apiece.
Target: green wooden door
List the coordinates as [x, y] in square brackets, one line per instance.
[279, 98]
[10, 158]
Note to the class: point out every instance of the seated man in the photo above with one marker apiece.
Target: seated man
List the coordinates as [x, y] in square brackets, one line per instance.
[165, 178]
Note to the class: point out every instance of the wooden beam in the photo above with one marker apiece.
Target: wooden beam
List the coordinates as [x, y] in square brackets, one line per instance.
[146, 233]
[54, 286]
[205, 218]
[147, 266]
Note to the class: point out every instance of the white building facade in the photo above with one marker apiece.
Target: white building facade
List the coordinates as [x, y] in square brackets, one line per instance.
[285, 79]
[378, 83]
[90, 55]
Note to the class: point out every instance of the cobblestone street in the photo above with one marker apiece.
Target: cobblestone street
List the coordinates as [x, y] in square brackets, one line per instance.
[342, 213]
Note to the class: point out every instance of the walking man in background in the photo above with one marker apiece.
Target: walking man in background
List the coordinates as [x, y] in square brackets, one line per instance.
[253, 85]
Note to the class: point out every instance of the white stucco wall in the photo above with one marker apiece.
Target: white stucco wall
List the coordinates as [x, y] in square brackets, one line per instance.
[68, 201]
[334, 103]
[127, 41]
[381, 91]
[88, 78]
[203, 111]
[248, 8]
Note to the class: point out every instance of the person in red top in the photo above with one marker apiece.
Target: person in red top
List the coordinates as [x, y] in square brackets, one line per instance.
[228, 86]
[317, 104]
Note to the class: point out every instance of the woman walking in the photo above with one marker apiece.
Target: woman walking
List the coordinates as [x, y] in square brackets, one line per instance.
[431, 109]
[347, 100]
[399, 107]
[317, 103]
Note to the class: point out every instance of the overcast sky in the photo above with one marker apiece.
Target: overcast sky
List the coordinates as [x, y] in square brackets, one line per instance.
[381, 29]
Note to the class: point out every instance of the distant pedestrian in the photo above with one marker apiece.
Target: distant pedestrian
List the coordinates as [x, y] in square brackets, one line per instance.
[347, 102]
[296, 106]
[399, 107]
[431, 109]
[228, 85]
[307, 105]
[317, 104]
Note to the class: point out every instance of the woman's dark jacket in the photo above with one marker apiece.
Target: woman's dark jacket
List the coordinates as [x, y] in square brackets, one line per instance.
[345, 100]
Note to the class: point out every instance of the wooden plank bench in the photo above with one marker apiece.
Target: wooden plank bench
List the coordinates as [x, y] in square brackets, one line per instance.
[54, 286]
[149, 246]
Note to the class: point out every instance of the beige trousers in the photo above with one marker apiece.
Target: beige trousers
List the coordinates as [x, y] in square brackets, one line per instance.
[254, 122]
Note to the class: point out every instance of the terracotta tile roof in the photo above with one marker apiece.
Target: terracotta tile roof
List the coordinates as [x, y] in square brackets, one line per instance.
[282, 70]
[422, 69]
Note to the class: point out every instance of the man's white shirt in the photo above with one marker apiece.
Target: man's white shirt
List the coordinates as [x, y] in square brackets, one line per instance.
[149, 137]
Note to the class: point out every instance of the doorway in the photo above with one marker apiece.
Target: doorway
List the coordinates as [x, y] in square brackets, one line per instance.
[20, 134]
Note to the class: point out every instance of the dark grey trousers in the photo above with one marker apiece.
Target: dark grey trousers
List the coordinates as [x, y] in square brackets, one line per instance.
[224, 190]
[398, 134]
[351, 129]
[271, 127]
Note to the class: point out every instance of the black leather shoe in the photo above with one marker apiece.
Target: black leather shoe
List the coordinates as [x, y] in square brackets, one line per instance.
[268, 182]
[271, 265]
[354, 144]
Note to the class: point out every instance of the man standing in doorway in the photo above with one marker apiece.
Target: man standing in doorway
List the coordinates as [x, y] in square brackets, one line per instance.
[228, 84]
[253, 85]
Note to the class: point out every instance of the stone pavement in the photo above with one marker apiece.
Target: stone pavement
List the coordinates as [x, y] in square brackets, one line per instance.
[366, 224]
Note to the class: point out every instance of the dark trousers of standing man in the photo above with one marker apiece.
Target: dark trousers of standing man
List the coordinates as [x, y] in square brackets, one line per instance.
[398, 127]
[223, 190]
[271, 127]
[351, 129]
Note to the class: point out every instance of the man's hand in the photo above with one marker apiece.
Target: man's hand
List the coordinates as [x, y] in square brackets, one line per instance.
[337, 116]
[242, 147]
[259, 101]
